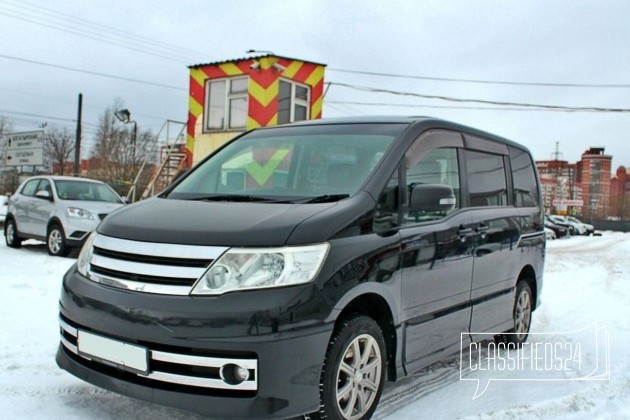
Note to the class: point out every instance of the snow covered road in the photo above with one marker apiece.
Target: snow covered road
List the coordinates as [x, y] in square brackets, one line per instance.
[586, 287]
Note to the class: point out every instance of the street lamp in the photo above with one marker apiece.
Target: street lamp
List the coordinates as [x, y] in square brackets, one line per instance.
[124, 116]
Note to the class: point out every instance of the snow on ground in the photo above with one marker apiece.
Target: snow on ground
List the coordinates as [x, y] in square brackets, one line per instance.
[586, 286]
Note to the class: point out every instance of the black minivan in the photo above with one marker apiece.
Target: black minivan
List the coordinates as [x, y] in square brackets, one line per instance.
[299, 267]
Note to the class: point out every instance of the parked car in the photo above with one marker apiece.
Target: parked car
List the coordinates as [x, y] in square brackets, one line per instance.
[574, 228]
[589, 229]
[62, 211]
[4, 207]
[578, 227]
[304, 265]
[549, 234]
[559, 231]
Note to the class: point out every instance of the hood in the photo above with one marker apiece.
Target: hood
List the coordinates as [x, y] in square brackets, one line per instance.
[209, 223]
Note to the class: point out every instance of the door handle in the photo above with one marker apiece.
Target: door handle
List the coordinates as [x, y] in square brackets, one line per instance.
[482, 228]
[464, 233]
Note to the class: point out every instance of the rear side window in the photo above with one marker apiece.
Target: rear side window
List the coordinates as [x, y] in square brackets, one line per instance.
[524, 177]
[486, 179]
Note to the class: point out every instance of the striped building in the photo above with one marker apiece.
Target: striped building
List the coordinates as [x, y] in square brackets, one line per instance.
[230, 97]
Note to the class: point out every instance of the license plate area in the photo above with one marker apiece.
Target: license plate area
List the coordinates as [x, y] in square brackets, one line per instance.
[113, 352]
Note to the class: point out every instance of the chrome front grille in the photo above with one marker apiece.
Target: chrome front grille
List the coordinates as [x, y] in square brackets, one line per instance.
[148, 266]
[176, 368]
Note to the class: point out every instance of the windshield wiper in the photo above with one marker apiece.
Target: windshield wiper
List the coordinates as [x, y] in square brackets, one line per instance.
[241, 198]
[326, 198]
[229, 197]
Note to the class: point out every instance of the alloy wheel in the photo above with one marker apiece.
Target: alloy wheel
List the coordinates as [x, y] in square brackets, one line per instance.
[55, 241]
[358, 377]
[523, 314]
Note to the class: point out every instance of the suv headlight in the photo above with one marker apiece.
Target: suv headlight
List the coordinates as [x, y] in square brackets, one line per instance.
[243, 268]
[83, 261]
[79, 213]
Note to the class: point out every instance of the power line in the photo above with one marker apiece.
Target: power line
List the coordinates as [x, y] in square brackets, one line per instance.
[94, 73]
[481, 101]
[47, 117]
[54, 19]
[93, 36]
[475, 108]
[39, 9]
[479, 81]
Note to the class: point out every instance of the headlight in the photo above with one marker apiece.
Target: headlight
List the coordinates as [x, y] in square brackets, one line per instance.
[83, 262]
[79, 213]
[243, 268]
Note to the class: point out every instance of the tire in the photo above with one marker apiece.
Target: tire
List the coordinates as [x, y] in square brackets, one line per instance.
[11, 234]
[351, 386]
[56, 241]
[522, 315]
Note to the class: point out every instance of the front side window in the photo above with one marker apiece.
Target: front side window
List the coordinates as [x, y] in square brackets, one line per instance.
[226, 104]
[44, 185]
[293, 102]
[291, 164]
[437, 166]
[486, 179]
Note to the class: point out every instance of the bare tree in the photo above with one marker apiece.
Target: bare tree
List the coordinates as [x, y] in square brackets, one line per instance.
[58, 148]
[117, 156]
[5, 128]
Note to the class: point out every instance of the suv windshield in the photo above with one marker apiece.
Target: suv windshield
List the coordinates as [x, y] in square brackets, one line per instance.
[291, 164]
[85, 191]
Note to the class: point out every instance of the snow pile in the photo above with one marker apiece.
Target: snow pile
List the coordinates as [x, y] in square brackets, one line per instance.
[587, 284]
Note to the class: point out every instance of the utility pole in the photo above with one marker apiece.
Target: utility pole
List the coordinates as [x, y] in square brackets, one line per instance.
[77, 144]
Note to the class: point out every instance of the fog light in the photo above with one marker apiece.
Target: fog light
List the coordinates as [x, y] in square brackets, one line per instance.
[233, 374]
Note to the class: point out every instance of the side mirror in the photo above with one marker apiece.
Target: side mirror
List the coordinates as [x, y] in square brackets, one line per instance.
[43, 194]
[432, 197]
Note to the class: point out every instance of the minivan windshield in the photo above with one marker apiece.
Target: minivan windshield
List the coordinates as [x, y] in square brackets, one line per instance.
[306, 164]
[85, 191]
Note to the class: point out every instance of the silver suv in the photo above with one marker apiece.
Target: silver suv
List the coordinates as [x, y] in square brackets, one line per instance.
[59, 210]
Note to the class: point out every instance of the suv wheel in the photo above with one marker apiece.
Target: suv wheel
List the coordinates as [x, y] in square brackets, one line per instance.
[522, 314]
[56, 241]
[11, 234]
[354, 371]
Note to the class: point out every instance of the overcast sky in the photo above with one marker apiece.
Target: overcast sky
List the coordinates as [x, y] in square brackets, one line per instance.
[531, 42]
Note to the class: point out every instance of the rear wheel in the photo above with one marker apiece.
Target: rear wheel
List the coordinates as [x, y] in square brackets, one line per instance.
[11, 234]
[522, 314]
[354, 371]
[56, 242]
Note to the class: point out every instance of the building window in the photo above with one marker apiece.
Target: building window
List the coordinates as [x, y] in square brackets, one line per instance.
[226, 104]
[293, 102]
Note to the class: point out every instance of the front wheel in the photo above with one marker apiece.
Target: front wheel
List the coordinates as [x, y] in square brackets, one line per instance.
[56, 242]
[354, 370]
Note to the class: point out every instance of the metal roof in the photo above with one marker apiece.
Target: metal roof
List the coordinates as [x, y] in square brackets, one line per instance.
[252, 57]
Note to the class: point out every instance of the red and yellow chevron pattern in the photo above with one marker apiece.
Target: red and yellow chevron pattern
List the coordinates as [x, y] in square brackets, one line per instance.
[263, 89]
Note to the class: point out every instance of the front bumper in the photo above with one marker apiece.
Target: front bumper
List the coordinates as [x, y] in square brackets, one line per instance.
[187, 339]
[77, 230]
